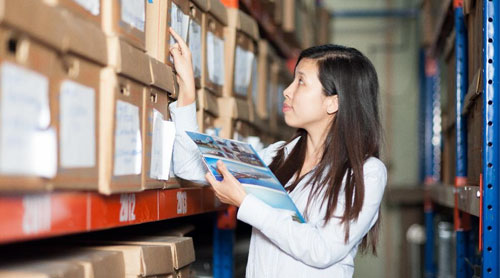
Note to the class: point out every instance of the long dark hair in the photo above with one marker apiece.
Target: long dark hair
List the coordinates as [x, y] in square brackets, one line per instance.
[353, 137]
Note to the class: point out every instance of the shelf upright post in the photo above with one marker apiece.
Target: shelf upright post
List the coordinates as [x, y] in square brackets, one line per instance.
[429, 160]
[461, 219]
[491, 140]
[223, 243]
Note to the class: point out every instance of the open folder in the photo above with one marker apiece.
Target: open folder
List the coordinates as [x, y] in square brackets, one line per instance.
[247, 167]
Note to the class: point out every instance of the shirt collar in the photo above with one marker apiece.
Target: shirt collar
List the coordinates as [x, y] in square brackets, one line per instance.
[289, 147]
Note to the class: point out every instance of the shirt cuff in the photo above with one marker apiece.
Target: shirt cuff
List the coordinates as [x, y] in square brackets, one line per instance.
[184, 117]
[253, 211]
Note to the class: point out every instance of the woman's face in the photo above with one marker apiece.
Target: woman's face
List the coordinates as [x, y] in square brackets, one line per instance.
[306, 106]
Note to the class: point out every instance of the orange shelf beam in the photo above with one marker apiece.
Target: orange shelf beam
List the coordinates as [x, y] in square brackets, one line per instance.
[42, 215]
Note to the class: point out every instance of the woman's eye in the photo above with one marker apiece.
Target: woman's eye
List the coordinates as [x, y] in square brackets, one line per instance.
[300, 81]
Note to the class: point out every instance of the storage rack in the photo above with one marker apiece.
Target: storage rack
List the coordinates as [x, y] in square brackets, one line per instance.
[468, 202]
[48, 214]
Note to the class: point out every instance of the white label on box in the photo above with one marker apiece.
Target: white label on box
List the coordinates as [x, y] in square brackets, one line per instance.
[179, 22]
[128, 142]
[77, 122]
[156, 145]
[242, 70]
[162, 146]
[93, 6]
[215, 59]
[37, 213]
[133, 13]
[195, 46]
[255, 81]
[281, 98]
[25, 118]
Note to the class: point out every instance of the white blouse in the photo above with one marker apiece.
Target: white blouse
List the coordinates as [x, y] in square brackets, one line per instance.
[279, 246]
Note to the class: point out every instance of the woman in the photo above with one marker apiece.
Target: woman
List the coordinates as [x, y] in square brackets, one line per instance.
[330, 168]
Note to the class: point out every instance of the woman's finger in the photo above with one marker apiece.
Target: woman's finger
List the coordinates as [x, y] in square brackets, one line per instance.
[179, 40]
[224, 171]
[210, 178]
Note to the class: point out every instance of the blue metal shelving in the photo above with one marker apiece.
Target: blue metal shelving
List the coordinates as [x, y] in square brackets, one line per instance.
[491, 140]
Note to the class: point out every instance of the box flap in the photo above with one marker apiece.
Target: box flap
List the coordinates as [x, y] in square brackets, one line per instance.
[35, 18]
[161, 75]
[128, 60]
[202, 4]
[183, 5]
[86, 39]
[218, 10]
[243, 22]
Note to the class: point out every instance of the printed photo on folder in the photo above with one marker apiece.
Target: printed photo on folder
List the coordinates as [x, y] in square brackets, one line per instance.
[247, 167]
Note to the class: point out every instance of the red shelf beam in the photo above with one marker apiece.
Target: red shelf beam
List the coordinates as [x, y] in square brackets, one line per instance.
[41, 215]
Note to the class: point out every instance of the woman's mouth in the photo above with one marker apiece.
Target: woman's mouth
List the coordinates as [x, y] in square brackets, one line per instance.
[286, 108]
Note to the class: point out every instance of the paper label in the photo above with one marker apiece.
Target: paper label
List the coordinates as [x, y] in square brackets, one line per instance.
[25, 118]
[162, 146]
[242, 70]
[93, 6]
[133, 13]
[77, 125]
[281, 98]
[128, 142]
[37, 213]
[215, 59]
[179, 22]
[195, 46]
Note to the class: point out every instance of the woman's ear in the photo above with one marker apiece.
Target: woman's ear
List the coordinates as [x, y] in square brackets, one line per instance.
[332, 104]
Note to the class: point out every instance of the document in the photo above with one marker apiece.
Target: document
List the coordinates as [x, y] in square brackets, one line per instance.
[247, 167]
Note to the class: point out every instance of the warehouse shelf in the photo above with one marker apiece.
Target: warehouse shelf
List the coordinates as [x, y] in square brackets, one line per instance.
[271, 31]
[42, 215]
[468, 197]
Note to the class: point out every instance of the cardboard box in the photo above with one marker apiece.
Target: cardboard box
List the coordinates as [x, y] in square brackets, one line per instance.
[95, 263]
[76, 88]
[213, 73]
[157, 35]
[90, 10]
[126, 19]
[68, 34]
[241, 49]
[42, 17]
[156, 101]
[144, 259]
[85, 39]
[208, 109]
[185, 272]
[181, 248]
[28, 148]
[42, 269]
[121, 141]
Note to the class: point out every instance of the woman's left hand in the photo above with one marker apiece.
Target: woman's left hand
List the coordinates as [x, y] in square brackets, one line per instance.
[229, 190]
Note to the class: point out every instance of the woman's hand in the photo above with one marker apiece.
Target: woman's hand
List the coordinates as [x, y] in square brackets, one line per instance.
[229, 190]
[183, 69]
